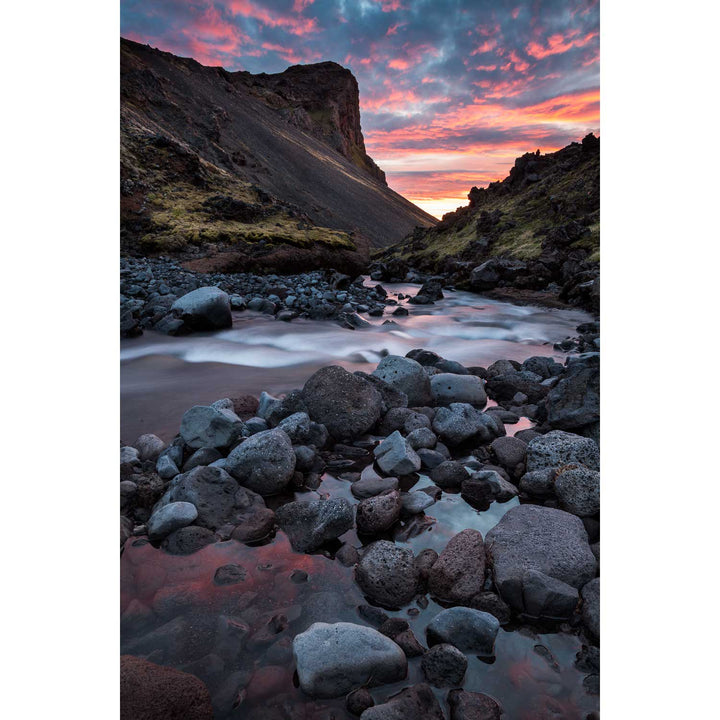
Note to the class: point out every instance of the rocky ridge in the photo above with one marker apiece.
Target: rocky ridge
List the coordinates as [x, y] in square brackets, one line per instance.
[533, 237]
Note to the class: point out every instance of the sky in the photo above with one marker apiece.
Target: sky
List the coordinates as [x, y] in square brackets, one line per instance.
[451, 91]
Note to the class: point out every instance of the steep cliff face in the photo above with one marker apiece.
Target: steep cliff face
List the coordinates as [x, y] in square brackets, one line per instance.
[538, 230]
[237, 168]
[322, 99]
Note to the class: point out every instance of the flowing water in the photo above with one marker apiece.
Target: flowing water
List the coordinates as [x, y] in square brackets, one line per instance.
[238, 638]
[161, 376]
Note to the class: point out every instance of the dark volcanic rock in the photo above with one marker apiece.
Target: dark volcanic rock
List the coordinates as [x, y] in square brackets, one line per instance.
[406, 375]
[414, 703]
[591, 607]
[467, 629]
[377, 514]
[264, 462]
[387, 574]
[459, 572]
[347, 405]
[152, 692]
[188, 540]
[465, 705]
[574, 402]
[444, 665]
[309, 524]
[559, 448]
[211, 490]
[206, 308]
[529, 537]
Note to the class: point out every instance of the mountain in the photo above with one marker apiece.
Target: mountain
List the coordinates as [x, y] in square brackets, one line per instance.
[535, 233]
[250, 172]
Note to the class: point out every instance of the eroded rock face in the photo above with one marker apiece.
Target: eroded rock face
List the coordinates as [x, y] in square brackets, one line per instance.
[347, 405]
[153, 692]
[387, 574]
[334, 659]
[263, 463]
[530, 537]
[459, 572]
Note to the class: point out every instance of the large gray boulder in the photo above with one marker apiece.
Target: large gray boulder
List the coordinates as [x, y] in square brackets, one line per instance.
[467, 629]
[210, 426]
[347, 405]
[333, 659]
[395, 456]
[387, 574]
[578, 490]
[207, 308]
[462, 423]
[459, 572]
[407, 376]
[449, 388]
[530, 537]
[264, 462]
[211, 490]
[170, 517]
[559, 448]
[308, 524]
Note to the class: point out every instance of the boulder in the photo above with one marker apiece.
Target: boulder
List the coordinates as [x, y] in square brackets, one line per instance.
[188, 540]
[414, 703]
[510, 453]
[398, 630]
[208, 426]
[406, 375]
[171, 517]
[367, 487]
[421, 438]
[333, 659]
[467, 629]
[203, 456]
[578, 490]
[264, 462]
[538, 483]
[387, 574]
[347, 405]
[449, 474]
[416, 502]
[444, 665]
[310, 523]
[559, 448]
[449, 388]
[359, 700]
[462, 423]
[207, 308]
[211, 490]
[153, 692]
[296, 427]
[459, 572]
[574, 402]
[466, 705]
[377, 514]
[395, 456]
[530, 537]
[166, 468]
[129, 455]
[149, 447]
[486, 486]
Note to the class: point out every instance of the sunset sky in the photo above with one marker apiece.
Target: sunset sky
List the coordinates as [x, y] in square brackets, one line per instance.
[451, 91]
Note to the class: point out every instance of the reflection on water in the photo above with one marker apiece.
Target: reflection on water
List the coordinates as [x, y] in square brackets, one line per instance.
[238, 638]
[164, 376]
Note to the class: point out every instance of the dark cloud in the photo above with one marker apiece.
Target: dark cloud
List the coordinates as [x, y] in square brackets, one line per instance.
[467, 76]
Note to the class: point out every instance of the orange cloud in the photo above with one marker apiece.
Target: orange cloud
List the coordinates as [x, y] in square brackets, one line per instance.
[558, 43]
[296, 25]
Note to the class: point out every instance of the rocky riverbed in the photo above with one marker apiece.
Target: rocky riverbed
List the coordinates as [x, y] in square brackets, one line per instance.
[382, 544]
